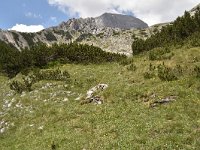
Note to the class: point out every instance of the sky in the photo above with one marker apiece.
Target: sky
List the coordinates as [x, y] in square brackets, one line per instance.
[35, 15]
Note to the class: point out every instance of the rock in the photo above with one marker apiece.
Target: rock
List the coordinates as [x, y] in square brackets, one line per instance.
[119, 21]
[91, 98]
[91, 92]
[65, 99]
[95, 99]
[163, 101]
[194, 10]
[2, 130]
[41, 128]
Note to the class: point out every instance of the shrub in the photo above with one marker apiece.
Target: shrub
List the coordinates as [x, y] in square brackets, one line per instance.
[132, 67]
[17, 86]
[166, 73]
[197, 71]
[182, 29]
[29, 38]
[50, 36]
[160, 54]
[12, 61]
[148, 75]
[37, 76]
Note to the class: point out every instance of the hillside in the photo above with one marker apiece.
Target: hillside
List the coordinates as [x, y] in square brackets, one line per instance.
[78, 96]
[139, 108]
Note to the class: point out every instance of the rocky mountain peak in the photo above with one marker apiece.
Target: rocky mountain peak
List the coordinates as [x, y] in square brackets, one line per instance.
[119, 21]
[106, 20]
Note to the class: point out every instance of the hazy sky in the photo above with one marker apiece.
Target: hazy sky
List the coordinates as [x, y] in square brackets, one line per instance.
[34, 15]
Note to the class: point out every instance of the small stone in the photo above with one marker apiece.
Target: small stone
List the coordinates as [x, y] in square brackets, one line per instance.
[65, 99]
[40, 128]
[2, 130]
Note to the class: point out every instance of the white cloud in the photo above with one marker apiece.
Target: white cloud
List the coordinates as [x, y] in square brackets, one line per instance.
[26, 28]
[33, 15]
[151, 11]
[54, 19]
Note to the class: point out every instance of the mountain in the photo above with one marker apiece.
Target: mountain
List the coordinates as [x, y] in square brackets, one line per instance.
[102, 31]
[119, 21]
[111, 32]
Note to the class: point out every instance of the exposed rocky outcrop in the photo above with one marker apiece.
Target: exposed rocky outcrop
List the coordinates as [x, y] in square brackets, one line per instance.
[111, 32]
[193, 10]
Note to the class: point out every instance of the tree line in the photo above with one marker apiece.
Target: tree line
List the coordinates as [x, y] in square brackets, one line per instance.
[184, 29]
[13, 61]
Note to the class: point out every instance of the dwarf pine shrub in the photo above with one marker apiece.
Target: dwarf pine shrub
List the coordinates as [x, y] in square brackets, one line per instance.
[166, 73]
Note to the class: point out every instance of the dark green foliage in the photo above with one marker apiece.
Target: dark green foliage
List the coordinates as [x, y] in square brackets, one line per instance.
[138, 46]
[150, 73]
[132, 67]
[66, 34]
[16, 37]
[29, 38]
[9, 59]
[77, 53]
[166, 74]
[183, 28]
[26, 85]
[84, 36]
[17, 86]
[194, 40]
[36, 76]
[160, 54]
[197, 71]
[40, 55]
[163, 72]
[50, 37]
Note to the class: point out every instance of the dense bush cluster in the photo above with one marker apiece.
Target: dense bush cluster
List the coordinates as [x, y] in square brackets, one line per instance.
[166, 73]
[160, 54]
[163, 72]
[197, 71]
[36, 76]
[40, 55]
[10, 62]
[184, 29]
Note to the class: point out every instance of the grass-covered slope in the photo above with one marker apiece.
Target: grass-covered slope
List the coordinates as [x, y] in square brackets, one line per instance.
[50, 115]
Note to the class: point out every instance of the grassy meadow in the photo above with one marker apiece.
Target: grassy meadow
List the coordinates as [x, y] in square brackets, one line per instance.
[50, 116]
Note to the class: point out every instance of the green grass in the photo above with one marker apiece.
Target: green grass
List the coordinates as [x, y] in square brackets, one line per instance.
[123, 121]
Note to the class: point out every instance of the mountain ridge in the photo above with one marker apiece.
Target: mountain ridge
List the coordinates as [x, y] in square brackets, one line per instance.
[82, 30]
[111, 32]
